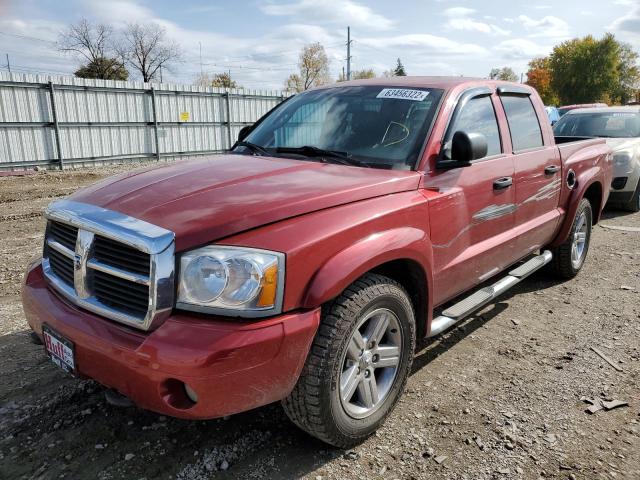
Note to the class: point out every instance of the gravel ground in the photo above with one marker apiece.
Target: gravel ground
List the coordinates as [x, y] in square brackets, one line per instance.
[501, 396]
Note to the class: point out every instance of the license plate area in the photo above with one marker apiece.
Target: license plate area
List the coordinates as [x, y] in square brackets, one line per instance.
[60, 350]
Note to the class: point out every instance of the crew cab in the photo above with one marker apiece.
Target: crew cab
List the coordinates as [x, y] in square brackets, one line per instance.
[302, 265]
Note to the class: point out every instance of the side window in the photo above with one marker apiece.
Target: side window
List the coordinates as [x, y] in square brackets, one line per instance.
[478, 116]
[523, 122]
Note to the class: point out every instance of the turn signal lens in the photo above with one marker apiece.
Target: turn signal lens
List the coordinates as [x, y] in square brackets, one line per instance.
[267, 296]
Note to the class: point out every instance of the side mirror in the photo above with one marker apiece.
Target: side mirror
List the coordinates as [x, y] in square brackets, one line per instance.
[464, 148]
[244, 131]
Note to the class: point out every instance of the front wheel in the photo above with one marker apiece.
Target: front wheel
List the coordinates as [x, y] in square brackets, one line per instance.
[634, 204]
[358, 363]
[569, 257]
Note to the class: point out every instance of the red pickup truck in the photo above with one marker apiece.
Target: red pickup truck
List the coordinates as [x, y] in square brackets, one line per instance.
[302, 265]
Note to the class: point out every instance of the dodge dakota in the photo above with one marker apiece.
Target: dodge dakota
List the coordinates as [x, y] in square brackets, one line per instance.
[302, 265]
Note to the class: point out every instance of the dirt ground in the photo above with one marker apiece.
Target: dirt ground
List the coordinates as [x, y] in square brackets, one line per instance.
[498, 397]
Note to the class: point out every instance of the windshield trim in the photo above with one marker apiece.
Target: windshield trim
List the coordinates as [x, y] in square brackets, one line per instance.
[429, 131]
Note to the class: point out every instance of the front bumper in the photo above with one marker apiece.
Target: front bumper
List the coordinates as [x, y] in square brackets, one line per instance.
[232, 365]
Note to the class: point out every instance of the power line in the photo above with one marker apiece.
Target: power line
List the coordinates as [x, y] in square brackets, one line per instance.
[28, 37]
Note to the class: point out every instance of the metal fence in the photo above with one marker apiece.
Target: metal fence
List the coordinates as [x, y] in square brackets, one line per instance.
[65, 121]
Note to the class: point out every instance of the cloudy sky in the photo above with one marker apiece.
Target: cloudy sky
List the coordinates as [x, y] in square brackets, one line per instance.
[259, 40]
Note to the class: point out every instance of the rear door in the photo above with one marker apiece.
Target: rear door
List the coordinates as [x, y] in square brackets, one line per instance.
[473, 213]
[538, 172]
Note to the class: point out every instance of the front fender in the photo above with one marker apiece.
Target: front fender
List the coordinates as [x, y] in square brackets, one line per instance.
[404, 243]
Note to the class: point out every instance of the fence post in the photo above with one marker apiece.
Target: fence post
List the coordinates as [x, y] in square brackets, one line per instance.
[229, 132]
[155, 121]
[56, 127]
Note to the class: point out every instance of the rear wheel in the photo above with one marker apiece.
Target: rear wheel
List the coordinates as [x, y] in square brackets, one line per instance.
[358, 363]
[569, 257]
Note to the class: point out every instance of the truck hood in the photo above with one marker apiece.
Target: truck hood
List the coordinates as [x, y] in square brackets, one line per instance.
[208, 199]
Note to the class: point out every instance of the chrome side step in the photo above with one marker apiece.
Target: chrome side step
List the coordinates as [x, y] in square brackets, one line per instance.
[479, 299]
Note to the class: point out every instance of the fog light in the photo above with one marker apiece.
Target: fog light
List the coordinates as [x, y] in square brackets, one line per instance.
[193, 396]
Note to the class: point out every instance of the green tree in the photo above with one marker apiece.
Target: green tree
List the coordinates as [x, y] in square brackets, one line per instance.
[539, 77]
[399, 71]
[629, 75]
[104, 69]
[223, 80]
[505, 73]
[358, 75]
[586, 70]
[313, 64]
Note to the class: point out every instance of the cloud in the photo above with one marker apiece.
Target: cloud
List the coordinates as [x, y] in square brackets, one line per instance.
[338, 12]
[521, 49]
[471, 25]
[548, 27]
[455, 12]
[119, 11]
[460, 19]
[629, 23]
[427, 44]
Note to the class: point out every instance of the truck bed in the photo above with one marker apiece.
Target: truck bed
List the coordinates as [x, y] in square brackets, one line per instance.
[568, 146]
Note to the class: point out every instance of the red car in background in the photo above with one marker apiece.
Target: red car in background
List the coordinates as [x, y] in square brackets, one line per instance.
[567, 108]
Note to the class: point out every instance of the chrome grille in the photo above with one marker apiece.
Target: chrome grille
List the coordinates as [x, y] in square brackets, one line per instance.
[64, 234]
[121, 256]
[109, 263]
[121, 294]
[61, 265]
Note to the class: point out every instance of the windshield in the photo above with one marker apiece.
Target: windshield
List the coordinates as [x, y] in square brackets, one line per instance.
[599, 124]
[374, 126]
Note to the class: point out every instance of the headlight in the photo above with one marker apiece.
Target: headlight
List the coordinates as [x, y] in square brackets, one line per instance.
[237, 281]
[622, 158]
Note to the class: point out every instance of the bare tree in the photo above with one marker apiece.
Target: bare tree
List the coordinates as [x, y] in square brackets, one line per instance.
[87, 40]
[314, 69]
[93, 44]
[147, 50]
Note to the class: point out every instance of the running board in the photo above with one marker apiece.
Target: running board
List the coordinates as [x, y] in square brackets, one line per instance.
[479, 299]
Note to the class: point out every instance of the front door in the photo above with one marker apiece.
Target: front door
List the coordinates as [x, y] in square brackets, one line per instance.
[472, 216]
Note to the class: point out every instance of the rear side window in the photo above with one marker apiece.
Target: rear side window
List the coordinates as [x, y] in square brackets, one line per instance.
[478, 116]
[523, 122]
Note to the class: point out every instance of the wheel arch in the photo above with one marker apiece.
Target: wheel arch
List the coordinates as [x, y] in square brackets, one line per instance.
[402, 254]
[589, 187]
[593, 193]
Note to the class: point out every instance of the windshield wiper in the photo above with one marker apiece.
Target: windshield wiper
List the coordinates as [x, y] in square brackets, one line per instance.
[334, 156]
[254, 148]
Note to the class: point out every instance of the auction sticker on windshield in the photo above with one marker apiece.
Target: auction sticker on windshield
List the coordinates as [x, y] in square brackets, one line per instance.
[60, 349]
[403, 94]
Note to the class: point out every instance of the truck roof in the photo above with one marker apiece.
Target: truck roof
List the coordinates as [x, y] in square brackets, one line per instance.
[445, 83]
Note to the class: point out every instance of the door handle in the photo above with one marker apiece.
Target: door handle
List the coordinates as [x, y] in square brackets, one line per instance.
[551, 169]
[502, 183]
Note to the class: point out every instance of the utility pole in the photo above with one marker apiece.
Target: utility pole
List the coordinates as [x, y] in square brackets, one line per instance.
[348, 53]
[201, 72]
[8, 63]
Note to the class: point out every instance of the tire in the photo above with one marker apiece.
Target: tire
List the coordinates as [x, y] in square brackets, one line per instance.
[316, 404]
[564, 263]
[634, 204]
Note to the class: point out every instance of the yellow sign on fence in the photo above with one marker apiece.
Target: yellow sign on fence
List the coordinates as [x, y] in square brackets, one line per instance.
[184, 117]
